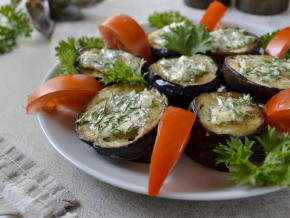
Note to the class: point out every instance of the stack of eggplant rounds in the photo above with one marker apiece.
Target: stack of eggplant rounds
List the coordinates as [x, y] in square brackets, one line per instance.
[226, 42]
[184, 78]
[261, 76]
[221, 116]
[121, 120]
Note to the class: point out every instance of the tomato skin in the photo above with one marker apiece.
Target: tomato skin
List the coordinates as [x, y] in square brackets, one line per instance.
[213, 15]
[277, 111]
[123, 32]
[174, 131]
[279, 44]
[66, 86]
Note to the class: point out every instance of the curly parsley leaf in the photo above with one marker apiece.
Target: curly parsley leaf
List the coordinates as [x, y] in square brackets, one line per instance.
[67, 60]
[121, 72]
[14, 24]
[75, 45]
[87, 42]
[67, 52]
[160, 20]
[266, 38]
[188, 39]
[236, 157]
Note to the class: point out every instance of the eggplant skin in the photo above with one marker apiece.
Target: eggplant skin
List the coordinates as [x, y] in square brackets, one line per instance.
[220, 56]
[159, 52]
[203, 141]
[238, 83]
[138, 150]
[177, 94]
[201, 150]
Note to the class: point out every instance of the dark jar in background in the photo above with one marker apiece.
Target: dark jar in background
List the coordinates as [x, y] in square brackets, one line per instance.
[203, 4]
[262, 7]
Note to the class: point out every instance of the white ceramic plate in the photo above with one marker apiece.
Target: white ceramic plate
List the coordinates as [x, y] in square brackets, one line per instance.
[188, 180]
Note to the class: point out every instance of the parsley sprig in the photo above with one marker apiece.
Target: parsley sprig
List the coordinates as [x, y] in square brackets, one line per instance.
[121, 72]
[67, 52]
[75, 45]
[67, 60]
[188, 39]
[236, 156]
[266, 38]
[160, 20]
[13, 24]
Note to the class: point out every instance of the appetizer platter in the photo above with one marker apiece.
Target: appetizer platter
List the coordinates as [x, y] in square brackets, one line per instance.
[155, 108]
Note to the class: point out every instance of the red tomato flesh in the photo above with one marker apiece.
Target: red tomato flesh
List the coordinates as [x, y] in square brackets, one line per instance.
[174, 131]
[123, 32]
[279, 44]
[213, 15]
[67, 90]
[277, 111]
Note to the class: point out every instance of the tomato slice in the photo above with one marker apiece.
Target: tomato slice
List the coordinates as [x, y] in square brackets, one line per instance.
[213, 15]
[123, 32]
[277, 111]
[174, 131]
[68, 90]
[279, 44]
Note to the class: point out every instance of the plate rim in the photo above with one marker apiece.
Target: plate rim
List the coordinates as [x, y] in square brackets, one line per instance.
[183, 196]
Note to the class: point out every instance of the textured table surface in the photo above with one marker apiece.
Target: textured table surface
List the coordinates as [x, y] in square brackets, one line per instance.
[22, 71]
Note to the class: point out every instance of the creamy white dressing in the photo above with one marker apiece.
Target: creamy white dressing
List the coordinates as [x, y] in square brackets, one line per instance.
[186, 68]
[103, 58]
[230, 110]
[264, 70]
[122, 114]
[159, 40]
[230, 38]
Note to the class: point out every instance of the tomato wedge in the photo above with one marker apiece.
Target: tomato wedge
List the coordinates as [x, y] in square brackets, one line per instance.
[213, 15]
[279, 44]
[174, 131]
[123, 32]
[277, 111]
[67, 90]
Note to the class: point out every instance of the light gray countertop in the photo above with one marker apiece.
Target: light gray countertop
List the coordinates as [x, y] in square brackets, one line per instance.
[22, 71]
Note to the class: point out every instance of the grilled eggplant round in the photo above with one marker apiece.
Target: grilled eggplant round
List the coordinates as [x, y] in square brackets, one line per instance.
[182, 79]
[219, 117]
[233, 41]
[121, 121]
[259, 75]
[158, 51]
[93, 61]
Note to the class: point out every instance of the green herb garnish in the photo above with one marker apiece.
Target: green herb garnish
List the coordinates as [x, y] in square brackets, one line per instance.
[75, 45]
[67, 60]
[266, 38]
[67, 52]
[121, 72]
[160, 20]
[236, 156]
[188, 39]
[14, 24]
[222, 88]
